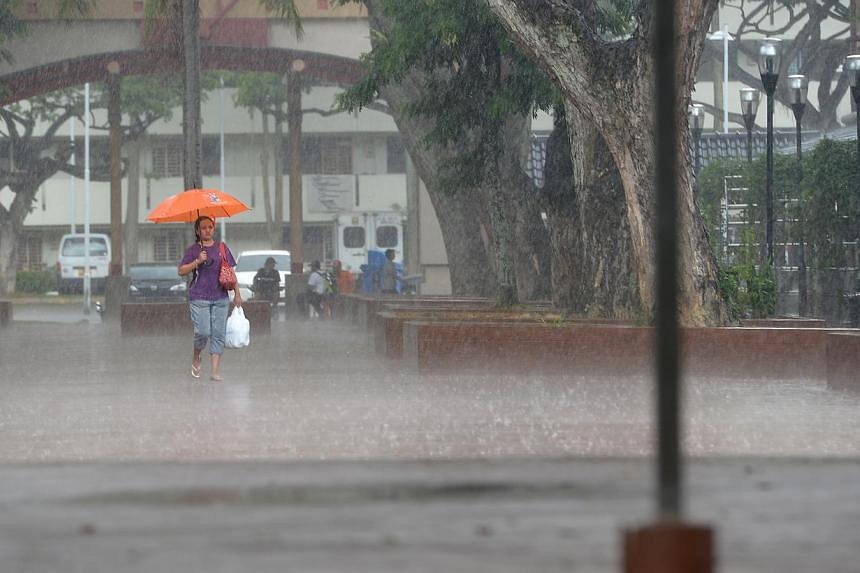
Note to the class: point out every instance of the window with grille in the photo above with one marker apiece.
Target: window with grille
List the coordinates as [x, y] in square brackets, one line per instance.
[336, 156]
[29, 253]
[396, 155]
[167, 159]
[167, 247]
[324, 155]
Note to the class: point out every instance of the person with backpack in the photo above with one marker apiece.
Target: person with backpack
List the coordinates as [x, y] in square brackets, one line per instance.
[316, 288]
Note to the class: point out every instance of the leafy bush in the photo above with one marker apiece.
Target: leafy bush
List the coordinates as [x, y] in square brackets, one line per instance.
[38, 282]
[748, 292]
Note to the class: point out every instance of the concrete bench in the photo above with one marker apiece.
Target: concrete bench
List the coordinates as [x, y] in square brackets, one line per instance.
[800, 322]
[739, 353]
[171, 318]
[388, 325]
[843, 361]
[5, 313]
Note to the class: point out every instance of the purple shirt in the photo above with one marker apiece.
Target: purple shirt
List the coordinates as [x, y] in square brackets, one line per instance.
[205, 285]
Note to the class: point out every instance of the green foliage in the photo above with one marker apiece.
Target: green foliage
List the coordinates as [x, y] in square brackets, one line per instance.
[749, 291]
[10, 27]
[263, 91]
[824, 210]
[150, 95]
[832, 207]
[38, 282]
[475, 76]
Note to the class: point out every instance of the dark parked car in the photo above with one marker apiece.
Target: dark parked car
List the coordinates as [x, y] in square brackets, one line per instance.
[155, 281]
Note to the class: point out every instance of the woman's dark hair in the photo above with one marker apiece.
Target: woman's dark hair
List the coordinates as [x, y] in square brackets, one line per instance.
[197, 222]
[270, 260]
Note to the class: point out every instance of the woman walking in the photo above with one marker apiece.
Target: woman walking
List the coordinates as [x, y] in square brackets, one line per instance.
[209, 300]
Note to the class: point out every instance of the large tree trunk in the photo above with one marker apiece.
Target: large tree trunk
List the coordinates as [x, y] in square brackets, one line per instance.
[190, 49]
[132, 213]
[588, 222]
[529, 243]
[609, 83]
[278, 219]
[11, 225]
[294, 127]
[9, 233]
[267, 194]
[459, 213]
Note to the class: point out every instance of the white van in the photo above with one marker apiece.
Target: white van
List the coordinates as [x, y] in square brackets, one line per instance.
[358, 233]
[70, 262]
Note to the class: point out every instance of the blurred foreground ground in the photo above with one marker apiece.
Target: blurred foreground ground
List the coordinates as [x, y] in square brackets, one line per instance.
[314, 455]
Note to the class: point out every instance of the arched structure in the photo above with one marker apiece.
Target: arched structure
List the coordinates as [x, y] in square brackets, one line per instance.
[318, 68]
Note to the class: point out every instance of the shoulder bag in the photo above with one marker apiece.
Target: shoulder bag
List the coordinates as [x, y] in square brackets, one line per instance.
[227, 277]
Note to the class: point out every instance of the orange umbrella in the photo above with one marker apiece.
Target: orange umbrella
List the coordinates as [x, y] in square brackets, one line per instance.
[185, 207]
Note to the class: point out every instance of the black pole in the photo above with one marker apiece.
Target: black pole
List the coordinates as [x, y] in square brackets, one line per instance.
[769, 185]
[798, 108]
[697, 157]
[855, 92]
[666, 168]
[749, 142]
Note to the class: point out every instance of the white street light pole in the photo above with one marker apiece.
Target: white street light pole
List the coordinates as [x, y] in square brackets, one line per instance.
[87, 272]
[72, 177]
[725, 78]
[724, 36]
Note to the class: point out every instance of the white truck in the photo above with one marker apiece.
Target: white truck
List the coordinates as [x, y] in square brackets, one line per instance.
[71, 262]
[359, 232]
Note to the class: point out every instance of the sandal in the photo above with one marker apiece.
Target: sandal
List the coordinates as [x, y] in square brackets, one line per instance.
[216, 378]
[195, 370]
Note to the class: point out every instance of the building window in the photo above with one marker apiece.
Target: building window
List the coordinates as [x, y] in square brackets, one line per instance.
[29, 253]
[386, 237]
[167, 247]
[167, 158]
[396, 154]
[210, 163]
[324, 155]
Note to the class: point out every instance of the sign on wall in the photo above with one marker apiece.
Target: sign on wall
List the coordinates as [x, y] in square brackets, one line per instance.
[330, 193]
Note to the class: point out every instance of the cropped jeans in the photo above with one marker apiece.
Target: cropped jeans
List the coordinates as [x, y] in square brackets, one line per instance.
[210, 324]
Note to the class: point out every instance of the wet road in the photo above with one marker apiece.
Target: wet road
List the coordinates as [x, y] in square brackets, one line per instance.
[315, 390]
[300, 461]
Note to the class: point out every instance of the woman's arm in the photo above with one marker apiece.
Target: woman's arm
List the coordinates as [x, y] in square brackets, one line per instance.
[193, 265]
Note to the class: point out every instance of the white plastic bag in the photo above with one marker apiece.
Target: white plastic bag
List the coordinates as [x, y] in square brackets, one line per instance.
[238, 329]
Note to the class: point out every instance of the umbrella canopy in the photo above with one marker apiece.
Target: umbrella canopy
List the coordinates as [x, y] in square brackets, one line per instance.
[185, 207]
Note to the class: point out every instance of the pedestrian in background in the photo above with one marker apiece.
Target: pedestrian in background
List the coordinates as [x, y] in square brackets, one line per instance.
[267, 282]
[389, 274]
[209, 300]
[316, 288]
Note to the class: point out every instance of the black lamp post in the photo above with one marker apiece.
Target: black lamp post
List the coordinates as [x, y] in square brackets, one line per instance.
[768, 67]
[697, 122]
[749, 108]
[797, 88]
[851, 67]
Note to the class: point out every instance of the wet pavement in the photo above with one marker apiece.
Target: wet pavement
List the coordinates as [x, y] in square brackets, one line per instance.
[302, 459]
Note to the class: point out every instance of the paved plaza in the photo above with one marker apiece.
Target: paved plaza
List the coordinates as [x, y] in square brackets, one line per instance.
[315, 455]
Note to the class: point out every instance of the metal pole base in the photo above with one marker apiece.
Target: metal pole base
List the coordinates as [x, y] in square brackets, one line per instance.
[669, 547]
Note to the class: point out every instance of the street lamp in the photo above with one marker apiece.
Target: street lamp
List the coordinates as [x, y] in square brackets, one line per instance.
[724, 37]
[697, 122]
[749, 108]
[851, 67]
[768, 67]
[797, 88]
